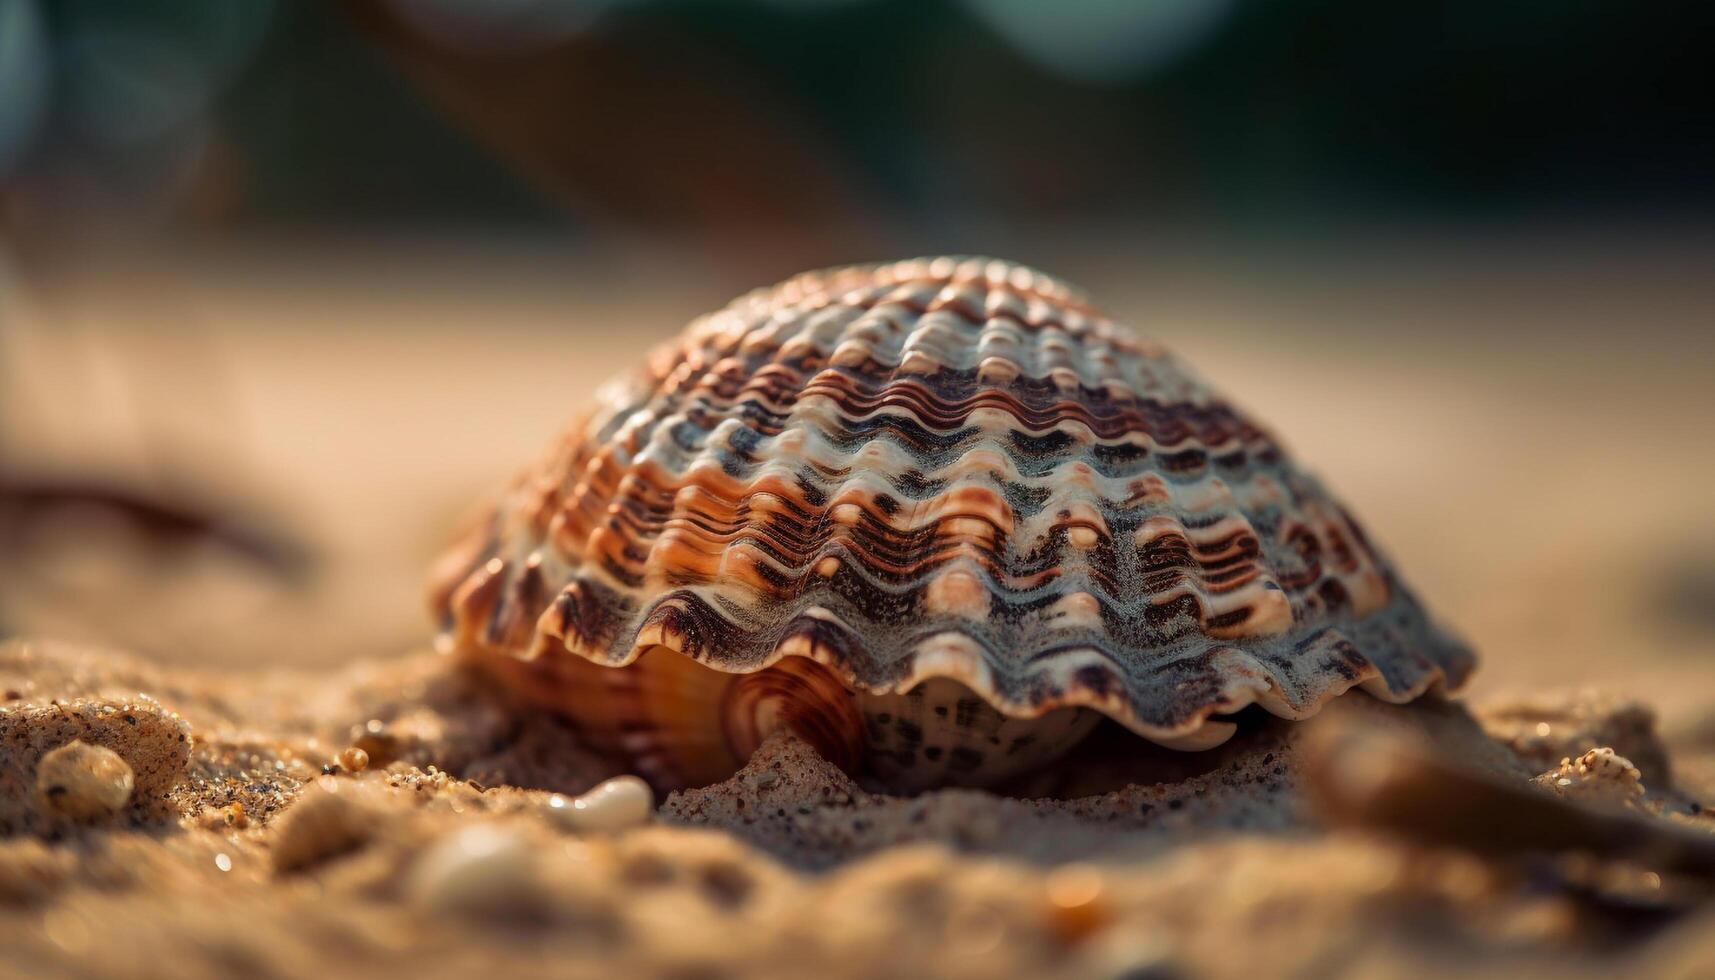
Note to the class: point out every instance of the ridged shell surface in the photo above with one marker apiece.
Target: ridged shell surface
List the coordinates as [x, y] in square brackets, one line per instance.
[943, 468]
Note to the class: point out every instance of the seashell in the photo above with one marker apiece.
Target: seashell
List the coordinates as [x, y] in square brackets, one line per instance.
[938, 517]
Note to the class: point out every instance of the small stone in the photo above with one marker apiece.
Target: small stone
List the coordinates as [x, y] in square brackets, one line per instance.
[383, 748]
[1600, 776]
[222, 817]
[375, 738]
[354, 759]
[323, 824]
[618, 803]
[482, 870]
[83, 781]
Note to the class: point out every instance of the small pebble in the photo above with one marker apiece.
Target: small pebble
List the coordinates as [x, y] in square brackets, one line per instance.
[321, 825]
[219, 818]
[481, 870]
[1599, 776]
[354, 759]
[621, 802]
[83, 781]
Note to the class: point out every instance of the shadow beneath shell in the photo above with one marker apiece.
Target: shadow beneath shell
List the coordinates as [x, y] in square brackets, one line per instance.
[1114, 796]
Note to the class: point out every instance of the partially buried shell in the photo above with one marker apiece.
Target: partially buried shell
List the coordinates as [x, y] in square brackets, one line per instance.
[937, 516]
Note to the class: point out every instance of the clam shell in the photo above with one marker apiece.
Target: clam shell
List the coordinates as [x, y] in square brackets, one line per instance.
[944, 468]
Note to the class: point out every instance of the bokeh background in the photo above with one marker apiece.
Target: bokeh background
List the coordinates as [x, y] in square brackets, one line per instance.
[285, 287]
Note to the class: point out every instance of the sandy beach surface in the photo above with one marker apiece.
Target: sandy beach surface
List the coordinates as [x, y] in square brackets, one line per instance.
[247, 848]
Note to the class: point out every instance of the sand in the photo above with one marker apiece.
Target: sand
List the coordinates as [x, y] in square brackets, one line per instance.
[248, 850]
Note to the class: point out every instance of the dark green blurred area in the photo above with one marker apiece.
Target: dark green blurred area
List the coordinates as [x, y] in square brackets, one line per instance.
[1263, 112]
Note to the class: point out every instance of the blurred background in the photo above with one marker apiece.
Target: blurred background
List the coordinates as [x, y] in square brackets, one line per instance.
[285, 287]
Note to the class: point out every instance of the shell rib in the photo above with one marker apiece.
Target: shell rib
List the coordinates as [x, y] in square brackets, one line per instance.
[944, 468]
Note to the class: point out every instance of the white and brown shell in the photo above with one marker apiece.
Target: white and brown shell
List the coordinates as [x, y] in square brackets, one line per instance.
[921, 512]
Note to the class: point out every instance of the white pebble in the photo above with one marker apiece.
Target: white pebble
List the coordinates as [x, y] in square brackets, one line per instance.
[621, 802]
[83, 781]
[482, 870]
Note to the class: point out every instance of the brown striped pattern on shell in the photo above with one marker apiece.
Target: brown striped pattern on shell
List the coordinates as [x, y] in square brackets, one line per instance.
[943, 468]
